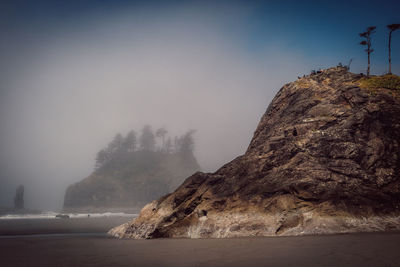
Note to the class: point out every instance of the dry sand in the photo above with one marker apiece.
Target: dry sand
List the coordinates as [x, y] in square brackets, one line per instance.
[97, 249]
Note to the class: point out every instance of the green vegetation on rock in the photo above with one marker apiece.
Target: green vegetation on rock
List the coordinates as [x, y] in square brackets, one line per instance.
[129, 177]
[388, 81]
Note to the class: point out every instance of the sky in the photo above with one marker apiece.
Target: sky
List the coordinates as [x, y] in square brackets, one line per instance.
[74, 73]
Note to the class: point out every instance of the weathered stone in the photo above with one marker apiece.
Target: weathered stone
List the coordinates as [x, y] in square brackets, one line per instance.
[325, 158]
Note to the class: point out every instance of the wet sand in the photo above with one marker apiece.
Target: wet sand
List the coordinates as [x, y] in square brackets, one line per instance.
[376, 249]
[59, 226]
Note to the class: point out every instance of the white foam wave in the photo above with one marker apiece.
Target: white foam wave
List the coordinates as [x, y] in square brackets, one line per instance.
[52, 215]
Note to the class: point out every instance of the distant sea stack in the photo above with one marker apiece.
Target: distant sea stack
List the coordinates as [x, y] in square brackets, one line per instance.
[325, 158]
[19, 198]
[126, 178]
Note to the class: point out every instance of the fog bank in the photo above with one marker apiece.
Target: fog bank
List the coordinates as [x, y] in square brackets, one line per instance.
[70, 89]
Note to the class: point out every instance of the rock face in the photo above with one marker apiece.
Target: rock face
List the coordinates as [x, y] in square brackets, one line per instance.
[325, 158]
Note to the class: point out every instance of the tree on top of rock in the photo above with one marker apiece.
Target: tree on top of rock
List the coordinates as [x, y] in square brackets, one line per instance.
[161, 132]
[102, 157]
[367, 42]
[392, 28]
[186, 143]
[147, 140]
[129, 143]
[168, 145]
[117, 144]
[114, 148]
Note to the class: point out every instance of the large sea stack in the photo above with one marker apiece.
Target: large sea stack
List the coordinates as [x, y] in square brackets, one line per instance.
[325, 158]
[130, 180]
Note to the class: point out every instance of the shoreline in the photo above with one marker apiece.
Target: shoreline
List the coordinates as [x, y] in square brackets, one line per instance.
[10, 227]
[54, 235]
[365, 249]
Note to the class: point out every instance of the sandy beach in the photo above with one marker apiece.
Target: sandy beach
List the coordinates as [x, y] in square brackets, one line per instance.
[83, 242]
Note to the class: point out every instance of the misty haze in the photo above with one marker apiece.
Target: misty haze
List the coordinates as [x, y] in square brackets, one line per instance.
[70, 90]
[77, 91]
[201, 120]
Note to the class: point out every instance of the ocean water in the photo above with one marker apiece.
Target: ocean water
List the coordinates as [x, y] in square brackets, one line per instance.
[52, 215]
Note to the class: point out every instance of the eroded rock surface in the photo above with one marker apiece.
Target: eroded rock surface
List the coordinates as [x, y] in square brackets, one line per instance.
[325, 158]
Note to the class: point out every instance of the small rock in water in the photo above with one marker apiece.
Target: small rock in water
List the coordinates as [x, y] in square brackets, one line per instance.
[62, 216]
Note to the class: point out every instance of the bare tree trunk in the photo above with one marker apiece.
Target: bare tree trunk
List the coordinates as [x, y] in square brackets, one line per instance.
[390, 57]
[369, 62]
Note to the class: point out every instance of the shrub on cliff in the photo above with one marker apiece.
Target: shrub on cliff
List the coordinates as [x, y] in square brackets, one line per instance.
[389, 81]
